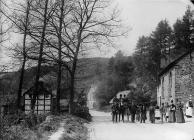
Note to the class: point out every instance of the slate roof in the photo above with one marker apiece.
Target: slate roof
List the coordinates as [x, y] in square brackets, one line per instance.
[174, 63]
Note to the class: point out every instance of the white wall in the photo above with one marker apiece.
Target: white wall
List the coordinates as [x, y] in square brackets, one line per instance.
[165, 86]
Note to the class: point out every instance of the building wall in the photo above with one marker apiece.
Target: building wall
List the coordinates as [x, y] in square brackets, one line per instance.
[182, 82]
[184, 79]
[166, 88]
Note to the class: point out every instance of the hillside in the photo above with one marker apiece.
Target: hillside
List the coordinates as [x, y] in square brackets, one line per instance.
[87, 72]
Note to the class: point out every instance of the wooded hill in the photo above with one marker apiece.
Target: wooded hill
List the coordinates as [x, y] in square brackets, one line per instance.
[87, 73]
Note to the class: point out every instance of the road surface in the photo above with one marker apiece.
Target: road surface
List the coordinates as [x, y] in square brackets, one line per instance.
[103, 129]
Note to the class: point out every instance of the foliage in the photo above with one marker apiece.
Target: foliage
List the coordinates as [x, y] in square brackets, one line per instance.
[80, 107]
[82, 112]
[149, 52]
[19, 126]
[161, 47]
[118, 75]
[183, 33]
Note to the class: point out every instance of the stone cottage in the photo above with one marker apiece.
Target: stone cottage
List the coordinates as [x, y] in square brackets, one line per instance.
[177, 80]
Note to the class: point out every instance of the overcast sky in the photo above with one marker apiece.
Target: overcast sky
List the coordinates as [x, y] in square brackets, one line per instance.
[142, 16]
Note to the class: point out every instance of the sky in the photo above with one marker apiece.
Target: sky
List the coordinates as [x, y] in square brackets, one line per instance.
[142, 16]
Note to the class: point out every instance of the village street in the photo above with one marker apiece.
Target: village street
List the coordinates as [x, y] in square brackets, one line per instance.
[103, 129]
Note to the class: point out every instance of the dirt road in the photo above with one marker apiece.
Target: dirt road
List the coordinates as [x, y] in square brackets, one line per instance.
[103, 129]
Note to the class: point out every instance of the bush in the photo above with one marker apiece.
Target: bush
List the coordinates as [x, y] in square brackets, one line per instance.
[82, 112]
[32, 120]
[19, 126]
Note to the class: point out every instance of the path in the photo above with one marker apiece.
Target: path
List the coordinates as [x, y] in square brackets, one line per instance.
[103, 129]
[57, 135]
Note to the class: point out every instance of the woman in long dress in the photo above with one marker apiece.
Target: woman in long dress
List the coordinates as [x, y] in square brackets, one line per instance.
[172, 117]
[167, 110]
[152, 113]
[179, 113]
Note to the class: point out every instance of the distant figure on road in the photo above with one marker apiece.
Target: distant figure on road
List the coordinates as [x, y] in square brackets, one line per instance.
[138, 113]
[133, 112]
[115, 109]
[162, 112]
[172, 118]
[189, 109]
[121, 109]
[167, 110]
[143, 114]
[157, 113]
[179, 113]
[152, 113]
[125, 106]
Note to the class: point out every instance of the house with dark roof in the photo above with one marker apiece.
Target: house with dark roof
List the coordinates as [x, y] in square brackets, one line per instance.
[43, 103]
[177, 80]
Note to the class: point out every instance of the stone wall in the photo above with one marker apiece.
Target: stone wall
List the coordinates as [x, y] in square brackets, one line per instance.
[181, 84]
[184, 79]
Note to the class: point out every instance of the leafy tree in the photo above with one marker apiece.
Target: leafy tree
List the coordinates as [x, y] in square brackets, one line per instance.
[148, 54]
[117, 78]
[183, 30]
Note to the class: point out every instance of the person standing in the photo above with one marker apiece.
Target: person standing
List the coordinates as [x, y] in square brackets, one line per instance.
[143, 114]
[172, 117]
[167, 110]
[114, 112]
[152, 113]
[133, 112]
[121, 108]
[179, 113]
[128, 111]
[115, 109]
[125, 106]
[162, 112]
[157, 113]
[138, 113]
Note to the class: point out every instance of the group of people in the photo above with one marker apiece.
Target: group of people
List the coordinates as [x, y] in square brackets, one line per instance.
[122, 107]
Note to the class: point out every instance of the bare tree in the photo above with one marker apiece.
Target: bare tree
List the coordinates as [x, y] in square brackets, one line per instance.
[40, 55]
[24, 53]
[75, 28]
[4, 29]
[85, 27]
[88, 27]
[59, 54]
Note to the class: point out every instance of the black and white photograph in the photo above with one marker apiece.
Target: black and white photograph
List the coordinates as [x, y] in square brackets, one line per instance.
[96, 69]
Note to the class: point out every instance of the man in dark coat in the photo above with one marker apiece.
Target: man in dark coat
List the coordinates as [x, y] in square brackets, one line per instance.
[121, 109]
[133, 111]
[114, 112]
[172, 117]
[143, 114]
[115, 109]
[152, 113]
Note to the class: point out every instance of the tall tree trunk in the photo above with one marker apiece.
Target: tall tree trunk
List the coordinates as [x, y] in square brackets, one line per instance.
[73, 72]
[24, 56]
[40, 57]
[59, 57]
[71, 100]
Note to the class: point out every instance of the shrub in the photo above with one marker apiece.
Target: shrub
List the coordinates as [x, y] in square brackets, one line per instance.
[32, 120]
[82, 112]
[20, 126]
